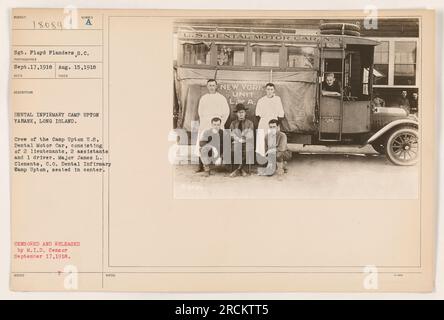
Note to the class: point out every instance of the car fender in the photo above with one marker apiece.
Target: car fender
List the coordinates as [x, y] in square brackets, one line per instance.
[390, 126]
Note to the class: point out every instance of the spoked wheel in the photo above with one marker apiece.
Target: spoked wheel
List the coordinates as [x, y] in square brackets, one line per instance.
[402, 146]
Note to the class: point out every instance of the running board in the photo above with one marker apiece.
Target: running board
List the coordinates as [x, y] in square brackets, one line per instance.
[329, 140]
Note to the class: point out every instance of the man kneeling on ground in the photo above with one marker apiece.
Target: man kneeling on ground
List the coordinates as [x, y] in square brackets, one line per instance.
[211, 143]
[276, 150]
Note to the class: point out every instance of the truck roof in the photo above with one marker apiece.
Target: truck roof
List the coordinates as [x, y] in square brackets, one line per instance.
[259, 35]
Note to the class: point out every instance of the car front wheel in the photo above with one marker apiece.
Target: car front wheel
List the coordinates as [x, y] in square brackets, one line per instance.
[402, 146]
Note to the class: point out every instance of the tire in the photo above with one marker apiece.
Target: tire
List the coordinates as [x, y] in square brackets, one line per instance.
[340, 32]
[402, 147]
[379, 147]
[339, 26]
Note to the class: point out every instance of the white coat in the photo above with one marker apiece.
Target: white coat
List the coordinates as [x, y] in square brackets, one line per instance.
[266, 108]
[211, 105]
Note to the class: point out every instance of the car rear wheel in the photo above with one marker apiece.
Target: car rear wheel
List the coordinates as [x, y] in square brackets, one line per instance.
[402, 146]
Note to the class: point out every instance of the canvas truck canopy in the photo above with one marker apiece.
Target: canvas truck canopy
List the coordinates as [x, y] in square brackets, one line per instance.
[297, 91]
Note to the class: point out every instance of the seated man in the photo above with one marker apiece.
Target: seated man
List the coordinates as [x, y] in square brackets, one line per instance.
[211, 145]
[377, 101]
[242, 136]
[331, 86]
[276, 149]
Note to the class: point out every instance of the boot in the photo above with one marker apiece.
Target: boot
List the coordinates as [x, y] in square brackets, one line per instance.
[285, 167]
[200, 168]
[280, 168]
[206, 169]
[235, 173]
[266, 171]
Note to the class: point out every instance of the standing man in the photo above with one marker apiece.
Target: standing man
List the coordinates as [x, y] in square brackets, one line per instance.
[268, 107]
[211, 105]
[242, 136]
[276, 150]
[404, 102]
[414, 103]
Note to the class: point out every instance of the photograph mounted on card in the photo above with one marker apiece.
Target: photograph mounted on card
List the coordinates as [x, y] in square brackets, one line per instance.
[222, 151]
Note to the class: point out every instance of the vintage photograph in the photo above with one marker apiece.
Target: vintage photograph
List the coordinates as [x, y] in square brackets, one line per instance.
[222, 151]
[303, 108]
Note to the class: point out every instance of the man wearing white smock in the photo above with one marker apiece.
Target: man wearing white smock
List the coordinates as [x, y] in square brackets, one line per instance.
[268, 107]
[211, 105]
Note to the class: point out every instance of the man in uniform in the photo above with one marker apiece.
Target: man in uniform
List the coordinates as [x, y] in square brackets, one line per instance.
[414, 104]
[404, 102]
[277, 151]
[211, 143]
[242, 136]
[211, 105]
[268, 107]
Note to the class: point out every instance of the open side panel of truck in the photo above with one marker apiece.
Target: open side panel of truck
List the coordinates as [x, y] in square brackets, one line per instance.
[331, 105]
